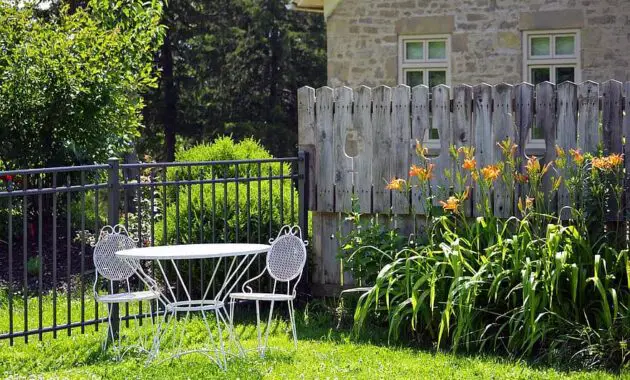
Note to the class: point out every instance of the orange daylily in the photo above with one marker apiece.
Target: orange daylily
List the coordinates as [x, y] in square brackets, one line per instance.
[396, 184]
[491, 172]
[470, 164]
[415, 170]
[577, 156]
[451, 204]
[608, 163]
[615, 160]
[423, 174]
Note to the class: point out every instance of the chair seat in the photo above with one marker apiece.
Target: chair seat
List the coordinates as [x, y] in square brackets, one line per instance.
[128, 297]
[262, 296]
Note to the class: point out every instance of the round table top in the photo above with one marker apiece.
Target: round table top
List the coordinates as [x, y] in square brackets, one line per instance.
[193, 251]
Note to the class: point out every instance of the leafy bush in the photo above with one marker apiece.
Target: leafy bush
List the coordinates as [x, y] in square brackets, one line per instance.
[215, 218]
[73, 82]
[368, 247]
[533, 284]
[226, 149]
[222, 197]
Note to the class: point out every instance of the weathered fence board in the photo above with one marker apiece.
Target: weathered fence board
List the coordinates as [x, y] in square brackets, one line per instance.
[462, 129]
[362, 119]
[567, 123]
[401, 132]
[444, 165]
[419, 130]
[524, 120]
[324, 151]
[381, 119]
[588, 116]
[612, 115]
[343, 140]
[546, 121]
[361, 139]
[306, 137]
[626, 133]
[504, 130]
[483, 136]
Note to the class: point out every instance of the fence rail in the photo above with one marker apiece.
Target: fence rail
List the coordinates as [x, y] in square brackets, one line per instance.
[50, 217]
[360, 139]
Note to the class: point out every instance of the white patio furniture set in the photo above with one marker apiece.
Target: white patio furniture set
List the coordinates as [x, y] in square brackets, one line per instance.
[118, 261]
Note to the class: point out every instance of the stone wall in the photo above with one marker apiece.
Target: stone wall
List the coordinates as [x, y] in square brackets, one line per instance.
[486, 37]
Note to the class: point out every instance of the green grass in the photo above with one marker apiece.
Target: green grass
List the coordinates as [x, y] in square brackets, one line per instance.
[323, 353]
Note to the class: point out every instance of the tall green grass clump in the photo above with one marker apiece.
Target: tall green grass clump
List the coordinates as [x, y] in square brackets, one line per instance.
[545, 283]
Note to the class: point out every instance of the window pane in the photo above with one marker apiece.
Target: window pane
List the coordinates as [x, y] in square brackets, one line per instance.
[540, 74]
[565, 45]
[437, 50]
[414, 78]
[540, 46]
[414, 50]
[564, 74]
[436, 78]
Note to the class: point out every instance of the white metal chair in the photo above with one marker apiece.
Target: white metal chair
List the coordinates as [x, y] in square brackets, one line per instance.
[113, 268]
[285, 262]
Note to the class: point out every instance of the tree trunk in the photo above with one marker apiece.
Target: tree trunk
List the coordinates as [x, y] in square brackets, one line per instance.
[169, 112]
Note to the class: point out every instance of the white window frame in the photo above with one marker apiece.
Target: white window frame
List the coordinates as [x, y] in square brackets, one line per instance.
[426, 65]
[551, 61]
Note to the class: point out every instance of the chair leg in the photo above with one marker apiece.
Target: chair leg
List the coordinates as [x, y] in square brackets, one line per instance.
[233, 338]
[220, 336]
[258, 327]
[155, 350]
[108, 332]
[292, 321]
[268, 328]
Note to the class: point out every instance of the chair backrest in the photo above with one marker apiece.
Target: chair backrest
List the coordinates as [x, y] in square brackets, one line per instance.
[287, 255]
[107, 264]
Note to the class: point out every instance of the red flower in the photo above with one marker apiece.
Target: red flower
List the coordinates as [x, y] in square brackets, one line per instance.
[7, 177]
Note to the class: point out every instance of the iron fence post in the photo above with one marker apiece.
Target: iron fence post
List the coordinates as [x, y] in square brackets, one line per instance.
[113, 206]
[303, 201]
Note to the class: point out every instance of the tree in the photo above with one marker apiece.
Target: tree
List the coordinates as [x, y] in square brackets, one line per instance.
[236, 67]
[71, 83]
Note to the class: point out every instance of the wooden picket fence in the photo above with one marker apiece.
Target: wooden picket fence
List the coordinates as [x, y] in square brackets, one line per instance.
[359, 139]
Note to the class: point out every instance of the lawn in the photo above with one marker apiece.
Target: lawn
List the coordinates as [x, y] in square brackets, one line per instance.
[323, 353]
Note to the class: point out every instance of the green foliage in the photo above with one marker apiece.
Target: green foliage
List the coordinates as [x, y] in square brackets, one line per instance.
[233, 67]
[214, 216]
[368, 247]
[215, 206]
[71, 83]
[32, 265]
[533, 285]
[225, 149]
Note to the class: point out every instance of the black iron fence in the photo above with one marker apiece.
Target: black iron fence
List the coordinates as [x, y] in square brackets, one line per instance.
[51, 217]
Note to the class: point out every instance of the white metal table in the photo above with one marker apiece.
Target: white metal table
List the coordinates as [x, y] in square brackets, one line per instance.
[237, 259]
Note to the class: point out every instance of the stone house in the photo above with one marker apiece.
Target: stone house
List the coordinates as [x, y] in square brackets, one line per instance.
[375, 42]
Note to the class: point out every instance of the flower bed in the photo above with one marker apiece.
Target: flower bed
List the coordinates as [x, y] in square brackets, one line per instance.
[547, 282]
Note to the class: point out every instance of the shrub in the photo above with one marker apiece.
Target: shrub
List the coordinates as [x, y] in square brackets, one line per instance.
[71, 84]
[222, 197]
[215, 219]
[225, 149]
